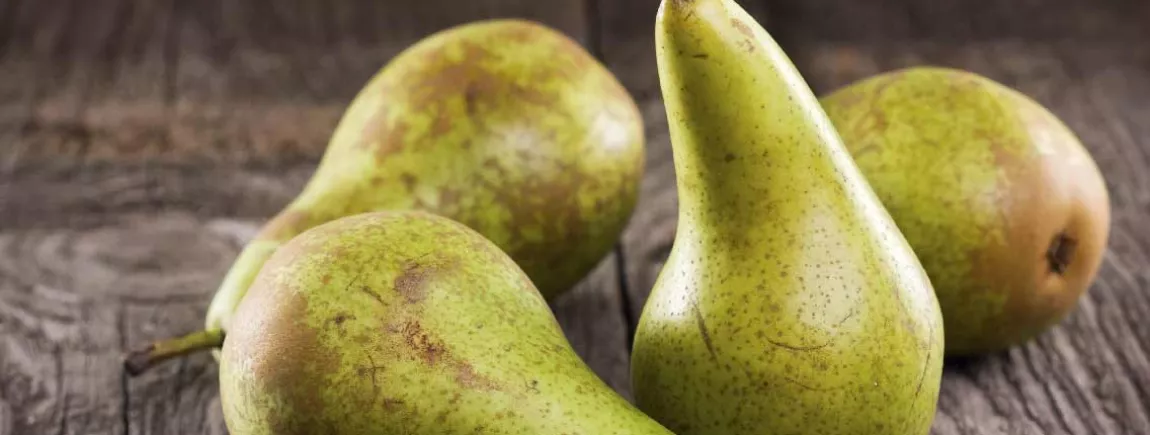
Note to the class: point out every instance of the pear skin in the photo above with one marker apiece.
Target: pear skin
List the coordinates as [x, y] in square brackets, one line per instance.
[790, 304]
[506, 126]
[406, 323]
[1003, 205]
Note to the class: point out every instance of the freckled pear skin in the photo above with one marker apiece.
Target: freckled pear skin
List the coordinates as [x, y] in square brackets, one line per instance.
[406, 323]
[790, 304]
[1003, 205]
[506, 126]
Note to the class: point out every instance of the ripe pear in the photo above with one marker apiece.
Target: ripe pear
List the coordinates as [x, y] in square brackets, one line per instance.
[790, 303]
[406, 323]
[506, 126]
[1004, 207]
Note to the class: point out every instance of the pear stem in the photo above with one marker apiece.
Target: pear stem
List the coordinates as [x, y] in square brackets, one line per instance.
[140, 360]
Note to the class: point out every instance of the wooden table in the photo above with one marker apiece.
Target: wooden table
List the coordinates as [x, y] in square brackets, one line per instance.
[142, 142]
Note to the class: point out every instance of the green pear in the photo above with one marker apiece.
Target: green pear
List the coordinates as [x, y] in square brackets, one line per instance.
[406, 323]
[1004, 207]
[506, 126]
[790, 303]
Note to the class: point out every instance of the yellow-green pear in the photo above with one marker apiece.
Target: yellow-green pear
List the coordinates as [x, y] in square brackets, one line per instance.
[790, 304]
[1004, 207]
[506, 126]
[406, 323]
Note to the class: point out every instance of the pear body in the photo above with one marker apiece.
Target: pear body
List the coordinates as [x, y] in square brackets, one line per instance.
[506, 126]
[406, 323]
[1004, 207]
[790, 304]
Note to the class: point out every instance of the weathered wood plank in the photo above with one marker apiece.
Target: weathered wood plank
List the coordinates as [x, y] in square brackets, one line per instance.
[60, 362]
[958, 21]
[53, 196]
[177, 80]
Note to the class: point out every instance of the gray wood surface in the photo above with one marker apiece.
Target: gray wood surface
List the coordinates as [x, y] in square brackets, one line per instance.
[142, 142]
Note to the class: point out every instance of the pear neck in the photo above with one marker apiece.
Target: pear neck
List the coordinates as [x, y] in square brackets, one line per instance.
[289, 223]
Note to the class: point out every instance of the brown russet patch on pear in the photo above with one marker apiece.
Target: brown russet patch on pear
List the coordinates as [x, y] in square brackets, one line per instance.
[520, 31]
[560, 192]
[471, 77]
[432, 81]
[466, 376]
[278, 373]
[747, 44]
[412, 281]
[422, 345]
[442, 124]
[386, 140]
[432, 352]
[742, 28]
[381, 136]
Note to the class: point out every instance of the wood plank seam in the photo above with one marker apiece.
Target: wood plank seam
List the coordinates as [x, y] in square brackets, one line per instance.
[628, 303]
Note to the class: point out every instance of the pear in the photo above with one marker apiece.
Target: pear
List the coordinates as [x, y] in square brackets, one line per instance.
[1004, 207]
[406, 323]
[506, 126]
[790, 303]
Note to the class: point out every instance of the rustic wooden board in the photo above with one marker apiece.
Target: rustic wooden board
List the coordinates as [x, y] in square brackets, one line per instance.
[212, 80]
[1089, 375]
[958, 21]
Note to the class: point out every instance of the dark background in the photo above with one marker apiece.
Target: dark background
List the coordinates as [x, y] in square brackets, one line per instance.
[142, 142]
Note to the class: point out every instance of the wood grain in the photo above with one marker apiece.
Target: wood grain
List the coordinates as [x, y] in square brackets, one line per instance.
[959, 21]
[219, 80]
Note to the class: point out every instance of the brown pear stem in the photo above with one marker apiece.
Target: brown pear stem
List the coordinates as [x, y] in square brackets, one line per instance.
[139, 361]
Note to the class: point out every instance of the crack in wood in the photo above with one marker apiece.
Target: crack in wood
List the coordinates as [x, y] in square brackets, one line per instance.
[627, 305]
